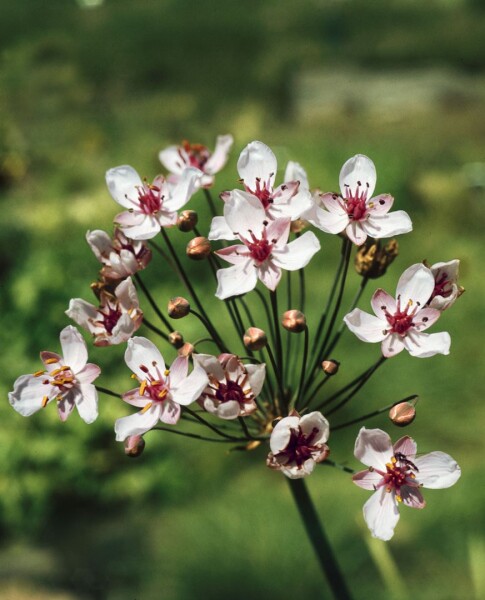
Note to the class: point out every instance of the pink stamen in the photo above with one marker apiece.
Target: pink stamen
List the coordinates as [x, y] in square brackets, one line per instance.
[355, 204]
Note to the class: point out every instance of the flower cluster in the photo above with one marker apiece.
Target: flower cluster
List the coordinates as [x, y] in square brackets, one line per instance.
[263, 384]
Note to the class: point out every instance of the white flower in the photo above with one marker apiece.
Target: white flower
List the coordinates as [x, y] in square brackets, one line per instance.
[396, 474]
[399, 323]
[265, 250]
[150, 207]
[298, 444]
[232, 386]
[115, 320]
[355, 210]
[66, 379]
[446, 289]
[161, 391]
[177, 158]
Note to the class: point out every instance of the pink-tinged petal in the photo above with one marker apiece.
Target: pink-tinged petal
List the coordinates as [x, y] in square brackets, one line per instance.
[190, 388]
[256, 376]
[285, 192]
[381, 514]
[294, 208]
[380, 205]
[446, 291]
[393, 344]
[407, 446]
[244, 213]
[178, 370]
[122, 185]
[415, 285]
[100, 243]
[298, 253]
[220, 230]
[367, 328]
[368, 480]
[279, 230]
[355, 232]
[328, 222]
[183, 191]
[295, 472]
[73, 348]
[133, 397]
[412, 497]
[122, 331]
[82, 312]
[423, 345]
[87, 403]
[137, 424]
[280, 435]
[315, 420]
[130, 218]
[170, 412]
[167, 219]
[236, 255]
[232, 365]
[425, 318]
[373, 447]
[437, 470]
[358, 170]
[384, 226]
[228, 410]
[46, 356]
[220, 155]
[269, 274]
[65, 406]
[333, 203]
[236, 280]
[28, 393]
[210, 364]
[174, 159]
[257, 161]
[143, 352]
[295, 172]
[148, 228]
[126, 294]
[382, 303]
[88, 373]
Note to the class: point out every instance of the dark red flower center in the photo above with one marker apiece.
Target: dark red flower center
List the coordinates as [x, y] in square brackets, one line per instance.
[155, 386]
[442, 287]
[263, 191]
[300, 446]
[150, 199]
[259, 248]
[400, 471]
[355, 202]
[402, 320]
[198, 154]
[109, 317]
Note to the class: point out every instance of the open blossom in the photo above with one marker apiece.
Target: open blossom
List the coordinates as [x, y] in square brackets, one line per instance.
[149, 206]
[264, 252]
[67, 379]
[298, 444]
[446, 288]
[232, 386]
[397, 474]
[400, 323]
[355, 211]
[115, 320]
[177, 158]
[120, 256]
[161, 391]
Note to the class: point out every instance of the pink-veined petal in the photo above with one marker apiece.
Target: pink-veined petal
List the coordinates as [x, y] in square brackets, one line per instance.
[133, 397]
[380, 205]
[326, 221]
[28, 393]
[424, 345]
[269, 274]
[256, 376]
[236, 280]
[190, 388]
[174, 159]
[122, 184]
[257, 161]
[437, 470]
[220, 155]
[244, 213]
[407, 446]
[384, 226]
[415, 285]
[82, 312]
[87, 402]
[236, 255]
[295, 172]
[333, 203]
[381, 514]
[170, 412]
[279, 230]
[373, 447]
[210, 364]
[368, 480]
[137, 424]
[129, 218]
[425, 318]
[148, 228]
[298, 253]
[358, 172]
[366, 327]
[183, 190]
[220, 230]
[88, 373]
[178, 370]
[383, 303]
[100, 243]
[66, 404]
[356, 233]
[74, 348]
[412, 497]
[143, 352]
[393, 344]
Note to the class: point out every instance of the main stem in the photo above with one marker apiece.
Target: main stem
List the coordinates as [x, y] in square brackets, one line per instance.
[317, 537]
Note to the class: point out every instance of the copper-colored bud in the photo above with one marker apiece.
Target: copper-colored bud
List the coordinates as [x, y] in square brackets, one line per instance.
[298, 225]
[176, 339]
[186, 350]
[402, 414]
[255, 338]
[187, 220]
[372, 260]
[178, 307]
[330, 367]
[294, 321]
[198, 248]
[134, 446]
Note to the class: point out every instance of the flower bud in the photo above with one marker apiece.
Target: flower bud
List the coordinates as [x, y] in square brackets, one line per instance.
[178, 307]
[294, 321]
[298, 225]
[402, 414]
[176, 339]
[134, 446]
[198, 248]
[372, 260]
[330, 367]
[187, 220]
[255, 339]
[186, 349]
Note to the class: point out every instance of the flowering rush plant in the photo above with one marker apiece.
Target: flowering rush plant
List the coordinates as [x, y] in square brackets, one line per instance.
[262, 383]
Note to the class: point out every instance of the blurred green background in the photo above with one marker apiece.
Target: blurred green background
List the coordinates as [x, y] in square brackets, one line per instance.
[88, 85]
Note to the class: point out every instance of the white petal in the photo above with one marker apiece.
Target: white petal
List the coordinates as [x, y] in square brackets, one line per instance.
[210, 364]
[373, 447]
[173, 158]
[407, 446]
[295, 472]
[415, 285]
[329, 222]
[170, 412]
[256, 376]
[437, 470]
[74, 349]
[244, 213]
[384, 226]
[315, 420]
[141, 351]
[100, 243]
[358, 169]
[356, 233]
[392, 345]
[137, 424]
[183, 190]
[257, 161]
[220, 230]
[178, 370]
[298, 253]
[191, 387]
[367, 480]
[381, 514]
[423, 345]
[28, 393]
[383, 303]
[366, 327]
[87, 402]
[82, 312]
[122, 184]
[220, 155]
[236, 280]
[228, 410]
[280, 435]
[295, 172]
[269, 274]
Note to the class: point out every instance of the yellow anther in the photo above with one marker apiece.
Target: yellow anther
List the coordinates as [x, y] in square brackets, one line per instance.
[58, 398]
[388, 489]
[247, 391]
[394, 460]
[371, 205]
[162, 394]
[412, 475]
[146, 407]
[133, 376]
[166, 372]
[156, 382]
[143, 386]
[398, 498]
[65, 368]
[38, 373]
[390, 465]
[55, 372]
[410, 302]
[45, 400]
[51, 361]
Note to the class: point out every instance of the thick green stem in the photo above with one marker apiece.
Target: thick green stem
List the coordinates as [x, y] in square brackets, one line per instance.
[318, 539]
